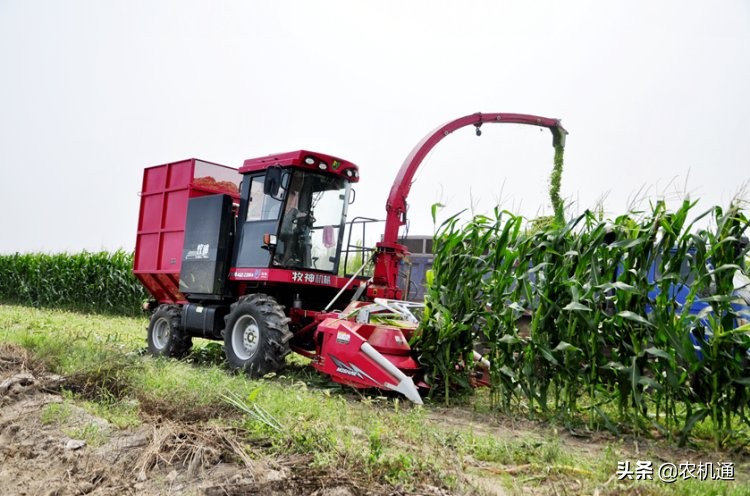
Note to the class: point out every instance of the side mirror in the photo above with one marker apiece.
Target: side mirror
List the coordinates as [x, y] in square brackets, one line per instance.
[272, 183]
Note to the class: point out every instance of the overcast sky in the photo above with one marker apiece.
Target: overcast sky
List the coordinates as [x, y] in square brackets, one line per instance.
[656, 95]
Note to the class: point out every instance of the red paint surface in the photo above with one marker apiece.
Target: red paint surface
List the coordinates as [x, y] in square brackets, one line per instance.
[161, 222]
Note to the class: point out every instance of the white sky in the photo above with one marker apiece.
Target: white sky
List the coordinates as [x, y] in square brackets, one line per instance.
[654, 94]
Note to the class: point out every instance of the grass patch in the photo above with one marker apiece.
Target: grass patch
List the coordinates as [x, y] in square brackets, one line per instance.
[56, 413]
[694, 487]
[517, 452]
[122, 414]
[181, 391]
[91, 433]
[378, 440]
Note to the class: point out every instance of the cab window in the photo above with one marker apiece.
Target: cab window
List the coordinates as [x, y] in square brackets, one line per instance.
[261, 206]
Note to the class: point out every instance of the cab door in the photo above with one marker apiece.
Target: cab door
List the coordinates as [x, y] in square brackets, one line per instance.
[259, 215]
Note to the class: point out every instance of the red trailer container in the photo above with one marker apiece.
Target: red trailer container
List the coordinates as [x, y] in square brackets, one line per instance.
[161, 223]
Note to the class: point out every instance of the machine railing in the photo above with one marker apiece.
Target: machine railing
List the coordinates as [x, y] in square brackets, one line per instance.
[356, 253]
[357, 249]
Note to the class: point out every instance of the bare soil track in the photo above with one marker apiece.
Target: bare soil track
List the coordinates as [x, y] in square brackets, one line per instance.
[42, 457]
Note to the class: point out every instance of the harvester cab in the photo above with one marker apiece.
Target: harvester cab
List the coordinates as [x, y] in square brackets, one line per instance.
[292, 213]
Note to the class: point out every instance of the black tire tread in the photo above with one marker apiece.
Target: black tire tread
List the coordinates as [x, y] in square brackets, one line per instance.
[277, 335]
[179, 343]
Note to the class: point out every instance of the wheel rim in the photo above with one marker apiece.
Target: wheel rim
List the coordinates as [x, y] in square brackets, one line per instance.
[245, 337]
[161, 334]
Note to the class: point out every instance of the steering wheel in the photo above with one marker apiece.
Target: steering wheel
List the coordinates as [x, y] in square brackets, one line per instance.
[304, 216]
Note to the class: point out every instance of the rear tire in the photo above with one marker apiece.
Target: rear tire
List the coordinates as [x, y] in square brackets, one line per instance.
[165, 337]
[256, 335]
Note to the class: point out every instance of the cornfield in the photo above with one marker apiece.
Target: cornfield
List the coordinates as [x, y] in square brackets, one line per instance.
[89, 282]
[608, 343]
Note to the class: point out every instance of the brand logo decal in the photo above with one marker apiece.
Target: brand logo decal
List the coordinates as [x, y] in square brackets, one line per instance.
[258, 274]
[351, 370]
[311, 278]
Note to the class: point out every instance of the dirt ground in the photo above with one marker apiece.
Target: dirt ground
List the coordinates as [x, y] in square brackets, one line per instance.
[43, 457]
[40, 455]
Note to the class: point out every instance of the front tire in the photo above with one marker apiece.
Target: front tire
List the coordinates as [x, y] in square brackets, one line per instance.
[256, 335]
[165, 337]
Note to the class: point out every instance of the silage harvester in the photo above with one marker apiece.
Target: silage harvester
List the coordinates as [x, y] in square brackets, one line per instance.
[255, 257]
